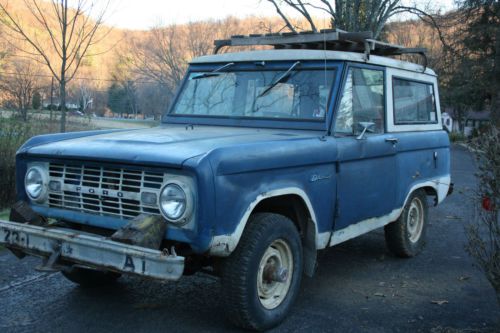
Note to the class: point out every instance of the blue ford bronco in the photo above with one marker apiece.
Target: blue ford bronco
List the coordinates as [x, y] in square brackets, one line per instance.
[264, 158]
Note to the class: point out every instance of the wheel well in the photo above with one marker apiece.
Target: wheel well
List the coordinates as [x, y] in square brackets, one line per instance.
[295, 208]
[291, 206]
[431, 191]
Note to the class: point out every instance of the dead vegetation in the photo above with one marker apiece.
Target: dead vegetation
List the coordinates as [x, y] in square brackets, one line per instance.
[484, 231]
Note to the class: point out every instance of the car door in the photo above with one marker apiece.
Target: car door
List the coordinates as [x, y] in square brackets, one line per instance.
[367, 176]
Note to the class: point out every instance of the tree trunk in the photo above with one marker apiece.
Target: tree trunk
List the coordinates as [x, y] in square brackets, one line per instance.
[51, 98]
[62, 92]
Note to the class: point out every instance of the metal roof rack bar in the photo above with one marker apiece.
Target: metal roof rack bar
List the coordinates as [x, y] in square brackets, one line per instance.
[327, 39]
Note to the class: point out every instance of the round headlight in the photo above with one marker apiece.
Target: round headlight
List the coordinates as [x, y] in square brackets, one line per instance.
[34, 183]
[173, 202]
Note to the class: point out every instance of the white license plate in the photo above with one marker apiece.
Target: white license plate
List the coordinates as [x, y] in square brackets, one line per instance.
[12, 237]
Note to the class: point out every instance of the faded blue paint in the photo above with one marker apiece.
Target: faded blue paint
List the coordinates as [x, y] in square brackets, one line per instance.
[366, 186]
[233, 162]
[415, 159]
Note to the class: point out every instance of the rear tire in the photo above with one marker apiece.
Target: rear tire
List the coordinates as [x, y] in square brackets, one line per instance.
[261, 279]
[86, 277]
[406, 236]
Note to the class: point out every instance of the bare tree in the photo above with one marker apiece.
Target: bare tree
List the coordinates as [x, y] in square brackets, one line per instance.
[355, 15]
[68, 34]
[20, 84]
[159, 56]
[86, 96]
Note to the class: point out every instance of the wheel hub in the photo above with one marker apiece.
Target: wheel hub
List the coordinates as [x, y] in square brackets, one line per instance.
[415, 220]
[275, 274]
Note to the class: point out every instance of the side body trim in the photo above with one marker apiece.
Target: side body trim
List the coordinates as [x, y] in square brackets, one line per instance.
[223, 245]
[441, 186]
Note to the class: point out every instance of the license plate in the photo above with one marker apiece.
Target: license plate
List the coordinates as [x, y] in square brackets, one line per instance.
[12, 237]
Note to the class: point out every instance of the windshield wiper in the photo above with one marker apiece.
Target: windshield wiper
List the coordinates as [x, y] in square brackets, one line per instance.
[215, 72]
[281, 79]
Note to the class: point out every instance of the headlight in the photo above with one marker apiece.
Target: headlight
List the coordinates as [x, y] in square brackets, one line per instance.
[176, 202]
[35, 184]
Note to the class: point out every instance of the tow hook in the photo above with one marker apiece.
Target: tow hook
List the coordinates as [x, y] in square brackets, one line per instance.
[50, 264]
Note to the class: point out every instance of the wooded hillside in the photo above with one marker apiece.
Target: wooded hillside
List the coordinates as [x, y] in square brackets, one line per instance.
[131, 72]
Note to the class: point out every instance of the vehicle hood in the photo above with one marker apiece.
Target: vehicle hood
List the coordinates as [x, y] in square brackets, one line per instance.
[167, 145]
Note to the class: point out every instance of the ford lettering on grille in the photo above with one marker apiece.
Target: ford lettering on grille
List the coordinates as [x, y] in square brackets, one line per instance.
[104, 190]
[91, 190]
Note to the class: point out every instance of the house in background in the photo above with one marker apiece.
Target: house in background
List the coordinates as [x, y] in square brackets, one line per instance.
[472, 120]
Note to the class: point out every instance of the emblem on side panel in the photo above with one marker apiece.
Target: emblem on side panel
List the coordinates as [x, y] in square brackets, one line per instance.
[315, 178]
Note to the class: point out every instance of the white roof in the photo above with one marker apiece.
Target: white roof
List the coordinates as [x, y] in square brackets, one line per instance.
[277, 55]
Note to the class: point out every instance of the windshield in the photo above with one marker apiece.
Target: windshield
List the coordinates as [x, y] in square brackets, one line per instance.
[301, 94]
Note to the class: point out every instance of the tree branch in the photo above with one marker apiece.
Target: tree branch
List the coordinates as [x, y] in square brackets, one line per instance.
[283, 16]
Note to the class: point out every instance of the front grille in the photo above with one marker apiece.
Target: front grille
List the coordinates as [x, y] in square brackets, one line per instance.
[103, 190]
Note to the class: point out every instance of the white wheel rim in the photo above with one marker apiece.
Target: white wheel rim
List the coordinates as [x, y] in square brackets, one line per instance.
[272, 293]
[415, 220]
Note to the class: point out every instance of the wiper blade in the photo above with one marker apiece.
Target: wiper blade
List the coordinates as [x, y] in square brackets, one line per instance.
[215, 72]
[281, 79]
[204, 75]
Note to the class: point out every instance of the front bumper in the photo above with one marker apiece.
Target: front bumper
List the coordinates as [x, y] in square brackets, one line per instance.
[91, 250]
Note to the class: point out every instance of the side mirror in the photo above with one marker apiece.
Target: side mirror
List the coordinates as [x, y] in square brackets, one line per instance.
[367, 127]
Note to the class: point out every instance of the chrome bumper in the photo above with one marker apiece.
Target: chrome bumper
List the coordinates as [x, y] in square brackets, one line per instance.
[91, 250]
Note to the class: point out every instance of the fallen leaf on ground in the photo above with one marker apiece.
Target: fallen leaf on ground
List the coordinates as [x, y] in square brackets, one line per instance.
[440, 302]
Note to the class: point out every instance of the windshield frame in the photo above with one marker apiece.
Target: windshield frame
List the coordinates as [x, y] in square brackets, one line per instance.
[265, 122]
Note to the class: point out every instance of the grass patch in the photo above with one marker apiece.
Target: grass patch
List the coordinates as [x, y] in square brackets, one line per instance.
[457, 137]
[4, 214]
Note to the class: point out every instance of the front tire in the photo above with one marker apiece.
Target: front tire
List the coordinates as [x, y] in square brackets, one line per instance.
[261, 279]
[406, 236]
[88, 278]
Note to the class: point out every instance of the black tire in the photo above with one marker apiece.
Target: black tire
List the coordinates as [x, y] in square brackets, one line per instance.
[402, 236]
[88, 277]
[240, 272]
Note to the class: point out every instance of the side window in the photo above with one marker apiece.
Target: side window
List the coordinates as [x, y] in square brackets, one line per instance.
[414, 102]
[362, 101]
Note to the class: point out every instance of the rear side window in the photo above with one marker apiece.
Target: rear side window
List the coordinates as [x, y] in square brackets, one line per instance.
[414, 102]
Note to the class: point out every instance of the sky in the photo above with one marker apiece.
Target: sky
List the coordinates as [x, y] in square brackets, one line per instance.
[144, 14]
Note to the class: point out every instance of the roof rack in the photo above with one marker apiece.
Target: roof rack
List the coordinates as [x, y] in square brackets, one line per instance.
[326, 39]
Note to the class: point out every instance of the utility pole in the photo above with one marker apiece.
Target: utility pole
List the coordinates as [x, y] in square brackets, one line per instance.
[51, 97]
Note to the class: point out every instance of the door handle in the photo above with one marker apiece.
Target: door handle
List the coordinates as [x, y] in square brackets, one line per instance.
[392, 140]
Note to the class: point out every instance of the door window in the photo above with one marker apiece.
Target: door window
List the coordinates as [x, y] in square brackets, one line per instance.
[362, 101]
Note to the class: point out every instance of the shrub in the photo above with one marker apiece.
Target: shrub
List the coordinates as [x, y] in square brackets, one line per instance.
[456, 136]
[13, 133]
[484, 231]
[36, 102]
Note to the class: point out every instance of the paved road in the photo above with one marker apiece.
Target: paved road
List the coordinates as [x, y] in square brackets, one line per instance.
[359, 287]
